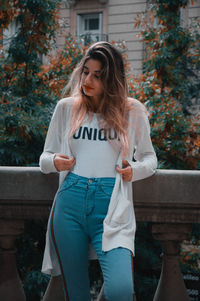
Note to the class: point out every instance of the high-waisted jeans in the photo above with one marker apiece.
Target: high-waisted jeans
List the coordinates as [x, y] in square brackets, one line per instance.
[77, 220]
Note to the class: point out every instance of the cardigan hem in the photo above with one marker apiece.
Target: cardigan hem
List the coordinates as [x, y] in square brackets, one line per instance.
[108, 244]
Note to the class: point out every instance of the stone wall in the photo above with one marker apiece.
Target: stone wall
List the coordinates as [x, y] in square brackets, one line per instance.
[170, 200]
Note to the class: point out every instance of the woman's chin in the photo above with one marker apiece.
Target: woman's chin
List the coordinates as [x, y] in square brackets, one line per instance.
[87, 93]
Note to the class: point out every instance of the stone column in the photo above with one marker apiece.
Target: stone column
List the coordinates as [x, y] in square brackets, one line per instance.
[54, 290]
[10, 283]
[171, 286]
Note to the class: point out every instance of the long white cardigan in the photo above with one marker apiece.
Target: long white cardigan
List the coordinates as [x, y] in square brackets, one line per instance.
[119, 224]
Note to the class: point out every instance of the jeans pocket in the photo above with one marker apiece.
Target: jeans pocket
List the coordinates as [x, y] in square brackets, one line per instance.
[107, 189]
[67, 184]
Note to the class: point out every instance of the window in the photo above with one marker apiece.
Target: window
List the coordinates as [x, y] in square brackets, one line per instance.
[89, 28]
[10, 33]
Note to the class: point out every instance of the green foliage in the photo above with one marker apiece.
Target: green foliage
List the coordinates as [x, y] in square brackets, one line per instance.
[57, 73]
[169, 83]
[25, 102]
[36, 20]
[190, 257]
[171, 51]
[35, 285]
[147, 263]
[30, 247]
[24, 117]
[175, 137]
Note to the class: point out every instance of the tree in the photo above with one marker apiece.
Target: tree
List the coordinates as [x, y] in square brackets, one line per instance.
[169, 82]
[56, 74]
[24, 102]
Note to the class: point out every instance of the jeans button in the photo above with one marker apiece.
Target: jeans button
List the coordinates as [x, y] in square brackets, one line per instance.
[90, 181]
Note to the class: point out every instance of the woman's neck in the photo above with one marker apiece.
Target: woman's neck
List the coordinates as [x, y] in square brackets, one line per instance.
[95, 104]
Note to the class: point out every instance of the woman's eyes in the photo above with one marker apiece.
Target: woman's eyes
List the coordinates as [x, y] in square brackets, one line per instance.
[86, 74]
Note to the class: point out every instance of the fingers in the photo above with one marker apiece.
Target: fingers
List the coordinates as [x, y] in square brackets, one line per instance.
[69, 162]
[125, 163]
[63, 156]
[62, 162]
[125, 171]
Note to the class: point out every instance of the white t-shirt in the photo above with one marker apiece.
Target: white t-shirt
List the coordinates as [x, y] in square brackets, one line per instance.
[95, 156]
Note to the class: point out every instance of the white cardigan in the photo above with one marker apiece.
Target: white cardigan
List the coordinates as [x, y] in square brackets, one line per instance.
[119, 223]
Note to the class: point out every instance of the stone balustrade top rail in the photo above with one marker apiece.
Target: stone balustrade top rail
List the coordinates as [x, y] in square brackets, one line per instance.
[169, 196]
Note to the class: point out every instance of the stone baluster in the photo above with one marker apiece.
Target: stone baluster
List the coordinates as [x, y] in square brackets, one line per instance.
[171, 286]
[10, 283]
[55, 290]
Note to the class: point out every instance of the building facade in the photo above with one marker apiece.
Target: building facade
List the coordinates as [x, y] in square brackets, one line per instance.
[109, 20]
[112, 20]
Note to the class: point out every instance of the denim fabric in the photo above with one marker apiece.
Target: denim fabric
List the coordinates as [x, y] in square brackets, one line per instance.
[77, 220]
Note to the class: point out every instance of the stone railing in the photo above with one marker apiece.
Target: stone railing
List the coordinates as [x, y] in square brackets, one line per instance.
[170, 200]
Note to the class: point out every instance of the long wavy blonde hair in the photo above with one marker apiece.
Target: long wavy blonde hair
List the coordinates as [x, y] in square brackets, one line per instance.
[114, 106]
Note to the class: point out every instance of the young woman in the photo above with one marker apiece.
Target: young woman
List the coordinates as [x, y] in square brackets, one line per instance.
[99, 142]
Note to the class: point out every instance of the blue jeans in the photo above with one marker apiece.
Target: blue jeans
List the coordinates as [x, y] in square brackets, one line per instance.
[77, 220]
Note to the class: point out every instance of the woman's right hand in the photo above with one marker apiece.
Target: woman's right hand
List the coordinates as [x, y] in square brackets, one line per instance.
[62, 162]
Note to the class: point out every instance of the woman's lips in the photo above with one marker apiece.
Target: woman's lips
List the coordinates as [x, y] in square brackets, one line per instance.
[87, 87]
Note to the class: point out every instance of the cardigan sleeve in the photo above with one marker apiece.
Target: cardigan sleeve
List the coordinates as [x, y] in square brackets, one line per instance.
[53, 141]
[145, 158]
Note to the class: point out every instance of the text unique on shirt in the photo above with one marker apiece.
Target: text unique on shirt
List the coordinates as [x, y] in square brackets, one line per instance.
[95, 134]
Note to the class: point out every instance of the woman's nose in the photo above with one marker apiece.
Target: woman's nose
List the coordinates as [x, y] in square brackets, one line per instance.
[88, 79]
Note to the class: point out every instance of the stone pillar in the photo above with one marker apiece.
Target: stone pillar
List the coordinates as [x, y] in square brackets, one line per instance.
[54, 290]
[10, 283]
[171, 286]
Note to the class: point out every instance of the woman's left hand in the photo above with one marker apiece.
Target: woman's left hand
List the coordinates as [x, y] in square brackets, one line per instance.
[126, 171]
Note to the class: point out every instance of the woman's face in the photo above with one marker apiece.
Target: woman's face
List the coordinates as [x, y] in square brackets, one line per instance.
[91, 81]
